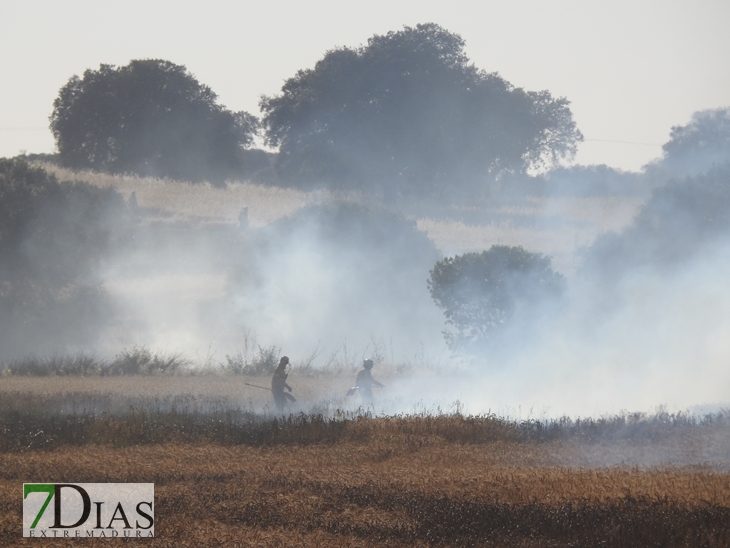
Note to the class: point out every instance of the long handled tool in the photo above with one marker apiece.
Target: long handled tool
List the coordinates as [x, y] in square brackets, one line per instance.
[287, 396]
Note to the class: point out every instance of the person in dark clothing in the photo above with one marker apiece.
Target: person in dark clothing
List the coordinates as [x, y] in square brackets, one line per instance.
[278, 384]
[365, 382]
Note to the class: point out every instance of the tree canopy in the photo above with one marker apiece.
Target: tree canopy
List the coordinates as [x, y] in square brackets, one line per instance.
[679, 222]
[695, 147]
[482, 292]
[53, 238]
[409, 112]
[151, 117]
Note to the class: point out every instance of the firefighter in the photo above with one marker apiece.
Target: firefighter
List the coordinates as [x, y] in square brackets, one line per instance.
[365, 382]
[278, 384]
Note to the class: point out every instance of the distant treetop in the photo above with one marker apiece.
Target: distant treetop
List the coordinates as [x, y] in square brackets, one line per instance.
[694, 148]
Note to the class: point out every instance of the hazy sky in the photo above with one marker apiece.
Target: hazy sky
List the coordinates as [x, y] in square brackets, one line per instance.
[631, 68]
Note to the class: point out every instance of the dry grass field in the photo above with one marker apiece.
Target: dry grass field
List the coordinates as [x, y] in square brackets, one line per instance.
[185, 201]
[558, 227]
[225, 478]
[390, 482]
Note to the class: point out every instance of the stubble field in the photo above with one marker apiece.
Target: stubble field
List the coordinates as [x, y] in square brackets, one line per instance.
[236, 475]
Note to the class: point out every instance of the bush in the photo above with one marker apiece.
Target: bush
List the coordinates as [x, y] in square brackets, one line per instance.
[139, 360]
[262, 364]
[480, 293]
[79, 364]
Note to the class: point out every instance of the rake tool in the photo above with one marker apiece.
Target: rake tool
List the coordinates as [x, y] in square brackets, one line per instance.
[287, 396]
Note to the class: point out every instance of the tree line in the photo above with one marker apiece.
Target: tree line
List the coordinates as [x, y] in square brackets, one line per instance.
[405, 114]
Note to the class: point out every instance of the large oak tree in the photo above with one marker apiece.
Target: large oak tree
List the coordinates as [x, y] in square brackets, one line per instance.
[409, 113]
[150, 117]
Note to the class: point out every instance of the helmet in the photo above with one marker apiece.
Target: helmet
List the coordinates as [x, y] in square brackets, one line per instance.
[368, 364]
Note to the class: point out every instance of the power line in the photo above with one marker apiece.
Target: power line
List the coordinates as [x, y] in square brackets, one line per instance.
[23, 129]
[622, 142]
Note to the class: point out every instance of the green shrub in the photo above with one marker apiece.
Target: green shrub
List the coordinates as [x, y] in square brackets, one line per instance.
[481, 293]
[79, 364]
[139, 360]
[262, 363]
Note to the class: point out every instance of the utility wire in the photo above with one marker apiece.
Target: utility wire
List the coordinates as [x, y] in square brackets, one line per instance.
[622, 142]
[23, 129]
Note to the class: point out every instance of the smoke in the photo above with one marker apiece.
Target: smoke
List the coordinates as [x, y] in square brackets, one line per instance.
[338, 281]
[52, 238]
[642, 325]
[339, 274]
[653, 340]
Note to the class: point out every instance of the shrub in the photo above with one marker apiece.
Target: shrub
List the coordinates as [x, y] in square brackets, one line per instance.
[139, 360]
[480, 293]
[263, 363]
[79, 364]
